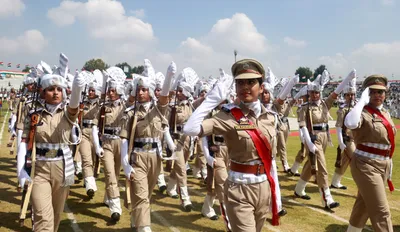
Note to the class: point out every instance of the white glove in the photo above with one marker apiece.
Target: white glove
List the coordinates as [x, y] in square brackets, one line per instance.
[96, 142]
[170, 142]
[349, 77]
[168, 79]
[342, 145]
[288, 87]
[216, 96]
[301, 136]
[307, 139]
[128, 169]
[210, 160]
[76, 92]
[21, 173]
[353, 117]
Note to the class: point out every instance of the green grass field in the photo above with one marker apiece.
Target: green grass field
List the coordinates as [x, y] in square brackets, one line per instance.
[167, 215]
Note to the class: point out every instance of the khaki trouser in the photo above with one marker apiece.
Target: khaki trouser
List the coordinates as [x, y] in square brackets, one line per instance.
[200, 160]
[347, 154]
[147, 168]
[48, 196]
[182, 154]
[282, 136]
[370, 176]
[221, 172]
[111, 162]
[87, 151]
[322, 172]
[301, 154]
[247, 205]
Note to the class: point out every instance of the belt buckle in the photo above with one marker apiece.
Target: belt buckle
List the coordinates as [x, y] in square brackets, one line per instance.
[147, 146]
[51, 153]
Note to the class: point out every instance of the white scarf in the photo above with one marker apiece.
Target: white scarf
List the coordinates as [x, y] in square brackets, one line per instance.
[52, 108]
[254, 106]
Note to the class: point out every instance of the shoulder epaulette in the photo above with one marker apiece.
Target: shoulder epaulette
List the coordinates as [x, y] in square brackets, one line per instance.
[227, 107]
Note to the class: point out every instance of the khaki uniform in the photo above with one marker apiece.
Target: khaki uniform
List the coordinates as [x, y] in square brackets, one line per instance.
[49, 190]
[247, 200]
[301, 154]
[178, 173]
[145, 157]
[350, 146]
[111, 144]
[86, 147]
[319, 115]
[370, 173]
[26, 107]
[282, 131]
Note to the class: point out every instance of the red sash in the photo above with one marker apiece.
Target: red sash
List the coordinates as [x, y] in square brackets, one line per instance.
[264, 151]
[390, 132]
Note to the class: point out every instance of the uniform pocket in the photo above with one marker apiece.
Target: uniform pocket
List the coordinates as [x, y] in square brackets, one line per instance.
[245, 141]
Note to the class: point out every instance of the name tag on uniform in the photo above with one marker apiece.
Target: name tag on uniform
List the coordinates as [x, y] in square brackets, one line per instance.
[244, 125]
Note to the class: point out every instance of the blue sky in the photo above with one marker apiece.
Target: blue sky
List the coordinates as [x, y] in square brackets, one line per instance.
[283, 35]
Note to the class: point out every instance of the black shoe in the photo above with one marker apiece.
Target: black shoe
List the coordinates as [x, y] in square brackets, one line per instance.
[282, 213]
[79, 175]
[341, 187]
[189, 172]
[90, 193]
[297, 174]
[290, 172]
[175, 196]
[188, 207]
[115, 217]
[333, 205]
[214, 218]
[305, 197]
[162, 189]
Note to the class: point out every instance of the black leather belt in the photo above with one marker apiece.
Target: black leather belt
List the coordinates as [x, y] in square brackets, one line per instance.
[111, 131]
[87, 125]
[49, 153]
[144, 145]
[321, 128]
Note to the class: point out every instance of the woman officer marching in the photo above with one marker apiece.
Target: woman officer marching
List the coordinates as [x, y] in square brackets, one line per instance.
[374, 134]
[248, 129]
[54, 169]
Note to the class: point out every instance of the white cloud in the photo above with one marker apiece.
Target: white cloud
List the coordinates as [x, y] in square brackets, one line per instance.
[105, 19]
[369, 58]
[294, 43]
[238, 32]
[139, 13]
[388, 2]
[30, 42]
[11, 8]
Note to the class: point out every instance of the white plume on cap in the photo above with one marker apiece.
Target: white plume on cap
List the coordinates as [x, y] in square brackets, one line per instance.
[351, 87]
[159, 79]
[116, 77]
[319, 83]
[187, 79]
[46, 68]
[270, 82]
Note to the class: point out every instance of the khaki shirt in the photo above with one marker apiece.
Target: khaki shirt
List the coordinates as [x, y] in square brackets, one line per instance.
[150, 124]
[27, 105]
[183, 112]
[113, 114]
[341, 114]
[319, 112]
[91, 110]
[240, 146]
[51, 128]
[371, 129]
